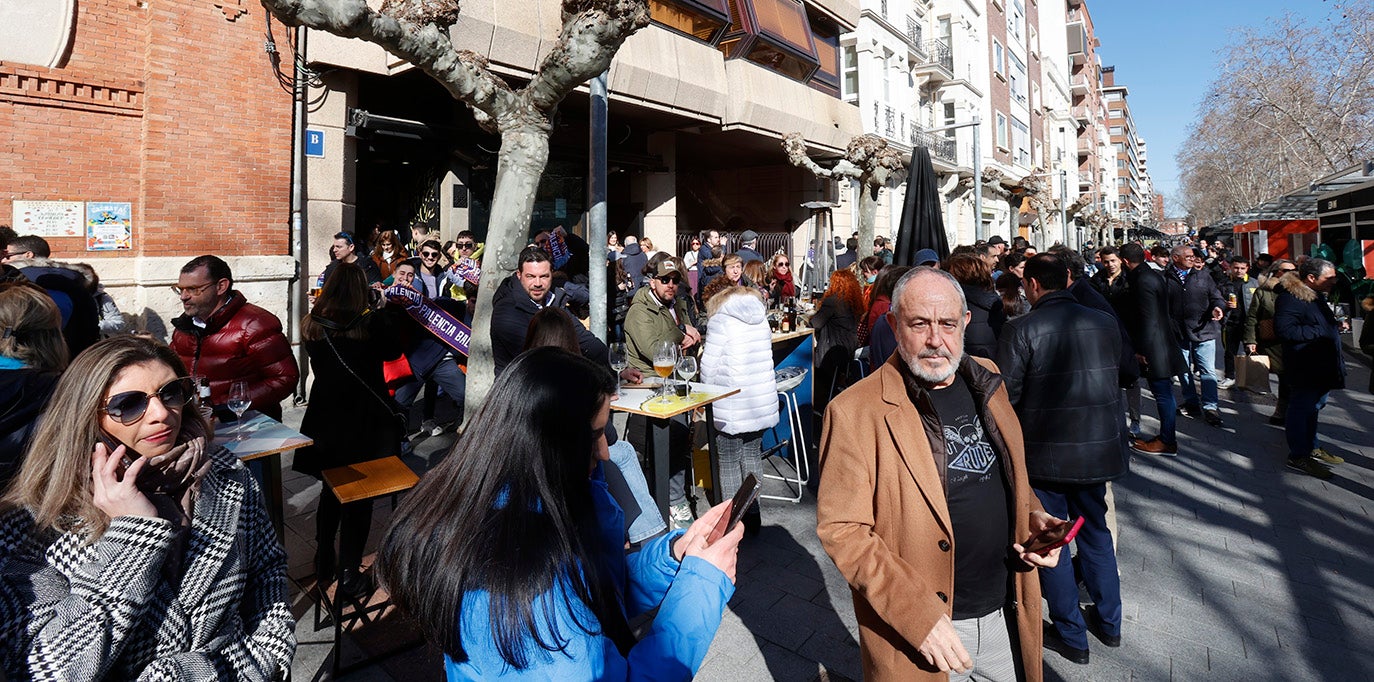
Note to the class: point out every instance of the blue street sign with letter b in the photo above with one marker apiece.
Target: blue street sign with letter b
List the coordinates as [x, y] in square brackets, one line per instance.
[314, 143]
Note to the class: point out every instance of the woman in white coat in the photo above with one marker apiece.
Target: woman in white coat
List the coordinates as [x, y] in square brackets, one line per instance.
[739, 353]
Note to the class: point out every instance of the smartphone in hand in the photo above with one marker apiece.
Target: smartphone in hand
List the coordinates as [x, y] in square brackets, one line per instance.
[744, 498]
[1041, 543]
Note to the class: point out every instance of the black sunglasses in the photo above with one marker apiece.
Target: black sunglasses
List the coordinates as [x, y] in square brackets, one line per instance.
[669, 279]
[130, 406]
[466, 245]
[430, 254]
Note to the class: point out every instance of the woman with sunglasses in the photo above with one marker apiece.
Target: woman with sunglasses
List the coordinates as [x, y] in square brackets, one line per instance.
[387, 254]
[351, 416]
[345, 250]
[155, 560]
[781, 285]
[510, 553]
[32, 357]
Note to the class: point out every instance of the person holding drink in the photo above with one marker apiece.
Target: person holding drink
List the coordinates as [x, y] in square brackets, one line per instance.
[657, 314]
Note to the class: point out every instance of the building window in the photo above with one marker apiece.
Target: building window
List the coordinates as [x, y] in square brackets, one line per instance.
[949, 119]
[851, 74]
[827, 36]
[775, 34]
[704, 20]
[1001, 130]
[1035, 96]
[1117, 130]
[1039, 157]
[1033, 42]
[887, 75]
[1016, 20]
[1016, 76]
[1020, 140]
[997, 59]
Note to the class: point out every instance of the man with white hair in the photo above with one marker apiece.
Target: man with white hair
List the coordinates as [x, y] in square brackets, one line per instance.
[924, 497]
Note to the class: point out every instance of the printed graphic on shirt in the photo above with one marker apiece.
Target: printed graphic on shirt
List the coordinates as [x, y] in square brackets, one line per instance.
[967, 449]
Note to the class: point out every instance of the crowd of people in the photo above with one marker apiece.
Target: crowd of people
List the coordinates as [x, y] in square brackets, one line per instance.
[132, 547]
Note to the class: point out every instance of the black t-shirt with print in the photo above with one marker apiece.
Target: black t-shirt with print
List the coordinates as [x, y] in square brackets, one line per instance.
[979, 504]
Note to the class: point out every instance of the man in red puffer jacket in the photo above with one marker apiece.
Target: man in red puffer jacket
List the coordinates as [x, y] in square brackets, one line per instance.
[224, 338]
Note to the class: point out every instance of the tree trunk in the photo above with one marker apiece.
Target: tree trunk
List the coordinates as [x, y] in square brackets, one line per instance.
[524, 154]
[868, 215]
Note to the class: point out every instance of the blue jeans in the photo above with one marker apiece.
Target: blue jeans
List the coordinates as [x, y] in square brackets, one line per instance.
[1096, 558]
[649, 522]
[1300, 422]
[1167, 405]
[449, 377]
[1202, 361]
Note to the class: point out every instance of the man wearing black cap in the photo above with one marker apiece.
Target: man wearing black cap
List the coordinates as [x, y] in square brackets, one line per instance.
[748, 241]
[1001, 244]
[658, 314]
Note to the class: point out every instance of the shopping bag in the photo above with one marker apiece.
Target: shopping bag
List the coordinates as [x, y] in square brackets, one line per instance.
[1252, 373]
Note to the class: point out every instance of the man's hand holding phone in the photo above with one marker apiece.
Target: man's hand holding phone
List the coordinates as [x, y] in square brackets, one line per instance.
[1048, 535]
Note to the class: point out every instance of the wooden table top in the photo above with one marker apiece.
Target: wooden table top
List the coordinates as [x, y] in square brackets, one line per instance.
[779, 337]
[632, 399]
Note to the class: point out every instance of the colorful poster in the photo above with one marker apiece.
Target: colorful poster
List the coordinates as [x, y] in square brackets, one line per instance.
[48, 218]
[109, 226]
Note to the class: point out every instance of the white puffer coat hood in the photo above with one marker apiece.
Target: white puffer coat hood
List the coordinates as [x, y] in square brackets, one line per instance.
[739, 354]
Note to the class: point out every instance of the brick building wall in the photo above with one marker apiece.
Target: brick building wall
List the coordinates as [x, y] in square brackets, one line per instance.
[170, 106]
[174, 108]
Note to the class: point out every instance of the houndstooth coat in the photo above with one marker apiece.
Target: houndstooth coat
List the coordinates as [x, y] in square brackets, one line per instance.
[72, 611]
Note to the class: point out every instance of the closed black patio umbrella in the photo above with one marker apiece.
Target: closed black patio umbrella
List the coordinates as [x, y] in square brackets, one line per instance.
[923, 223]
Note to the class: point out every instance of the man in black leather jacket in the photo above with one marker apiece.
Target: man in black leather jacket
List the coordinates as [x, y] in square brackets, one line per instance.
[1060, 363]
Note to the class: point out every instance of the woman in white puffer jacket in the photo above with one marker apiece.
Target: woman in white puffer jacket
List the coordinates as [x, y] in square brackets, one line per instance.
[739, 354]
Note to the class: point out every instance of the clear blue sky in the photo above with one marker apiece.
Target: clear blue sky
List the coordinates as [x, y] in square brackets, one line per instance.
[1166, 52]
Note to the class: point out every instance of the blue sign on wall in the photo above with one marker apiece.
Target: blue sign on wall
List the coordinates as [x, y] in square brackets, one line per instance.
[314, 143]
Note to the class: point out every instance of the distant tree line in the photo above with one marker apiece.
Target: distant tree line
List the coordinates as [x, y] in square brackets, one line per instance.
[1293, 101]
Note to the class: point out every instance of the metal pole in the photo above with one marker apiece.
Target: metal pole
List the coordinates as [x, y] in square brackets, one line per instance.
[978, 231]
[295, 299]
[596, 199]
[1063, 206]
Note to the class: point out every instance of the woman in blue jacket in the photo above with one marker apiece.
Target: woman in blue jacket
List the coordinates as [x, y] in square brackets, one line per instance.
[510, 553]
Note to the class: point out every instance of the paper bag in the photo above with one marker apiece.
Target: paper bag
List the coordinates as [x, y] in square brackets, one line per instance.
[1252, 373]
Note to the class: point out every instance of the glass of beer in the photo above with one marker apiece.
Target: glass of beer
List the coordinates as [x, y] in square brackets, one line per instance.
[665, 361]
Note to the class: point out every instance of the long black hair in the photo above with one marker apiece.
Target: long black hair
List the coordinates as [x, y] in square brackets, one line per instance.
[509, 511]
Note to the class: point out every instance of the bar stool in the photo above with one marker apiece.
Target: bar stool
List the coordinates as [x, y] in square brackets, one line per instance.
[356, 483]
[787, 380]
[855, 370]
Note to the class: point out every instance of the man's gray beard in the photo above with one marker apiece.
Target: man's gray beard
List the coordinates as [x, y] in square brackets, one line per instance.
[925, 375]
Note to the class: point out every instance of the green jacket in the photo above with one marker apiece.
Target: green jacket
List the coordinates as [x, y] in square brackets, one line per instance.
[649, 322]
[1259, 322]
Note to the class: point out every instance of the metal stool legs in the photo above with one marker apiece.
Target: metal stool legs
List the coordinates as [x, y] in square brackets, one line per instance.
[797, 445]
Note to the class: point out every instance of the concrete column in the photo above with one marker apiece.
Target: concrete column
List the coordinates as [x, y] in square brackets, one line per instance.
[660, 194]
[331, 181]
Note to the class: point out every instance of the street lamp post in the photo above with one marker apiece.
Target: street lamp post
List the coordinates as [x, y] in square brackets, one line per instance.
[977, 171]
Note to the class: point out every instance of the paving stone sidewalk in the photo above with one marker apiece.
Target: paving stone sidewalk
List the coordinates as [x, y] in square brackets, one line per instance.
[1232, 567]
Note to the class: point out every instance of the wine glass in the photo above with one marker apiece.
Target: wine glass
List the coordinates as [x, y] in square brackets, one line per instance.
[619, 361]
[665, 359]
[239, 402]
[686, 369]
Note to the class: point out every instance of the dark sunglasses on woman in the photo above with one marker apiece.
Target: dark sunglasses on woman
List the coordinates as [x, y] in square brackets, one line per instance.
[130, 406]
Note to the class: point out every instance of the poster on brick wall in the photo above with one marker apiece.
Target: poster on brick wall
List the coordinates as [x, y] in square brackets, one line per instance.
[109, 226]
[49, 218]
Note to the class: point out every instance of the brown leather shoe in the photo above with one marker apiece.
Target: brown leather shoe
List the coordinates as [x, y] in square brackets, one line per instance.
[1154, 446]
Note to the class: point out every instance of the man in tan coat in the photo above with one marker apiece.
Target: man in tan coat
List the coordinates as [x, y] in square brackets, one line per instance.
[924, 500]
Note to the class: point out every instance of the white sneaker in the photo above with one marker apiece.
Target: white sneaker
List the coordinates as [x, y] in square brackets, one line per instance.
[680, 515]
[1226, 383]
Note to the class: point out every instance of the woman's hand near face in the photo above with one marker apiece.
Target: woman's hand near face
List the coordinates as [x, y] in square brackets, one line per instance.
[115, 496]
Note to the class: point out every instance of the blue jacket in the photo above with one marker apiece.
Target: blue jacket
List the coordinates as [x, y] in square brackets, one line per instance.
[690, 597]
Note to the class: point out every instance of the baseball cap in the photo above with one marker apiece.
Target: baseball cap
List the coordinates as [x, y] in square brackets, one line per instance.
[926, 256]
[748, 236]
[997, 239]
[668, 266]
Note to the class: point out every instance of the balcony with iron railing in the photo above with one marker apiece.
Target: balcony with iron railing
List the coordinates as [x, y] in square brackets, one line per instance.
[938, 62]
[941, 147]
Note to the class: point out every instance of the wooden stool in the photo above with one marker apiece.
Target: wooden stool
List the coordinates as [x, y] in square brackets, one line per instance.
[360, 482]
